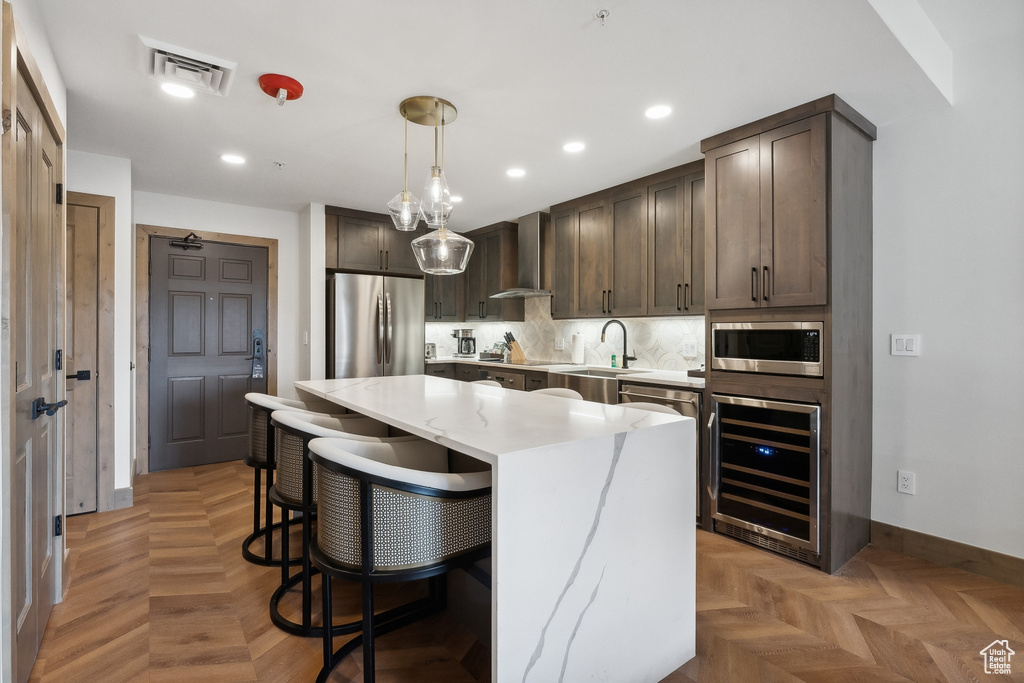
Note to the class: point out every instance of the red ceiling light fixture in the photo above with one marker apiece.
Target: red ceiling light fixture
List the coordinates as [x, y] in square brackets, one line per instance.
[281, 87]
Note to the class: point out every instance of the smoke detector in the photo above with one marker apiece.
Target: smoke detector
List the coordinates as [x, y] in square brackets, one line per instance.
[173, 64]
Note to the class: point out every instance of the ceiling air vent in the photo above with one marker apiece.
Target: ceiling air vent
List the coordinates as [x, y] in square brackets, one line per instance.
[200, 72]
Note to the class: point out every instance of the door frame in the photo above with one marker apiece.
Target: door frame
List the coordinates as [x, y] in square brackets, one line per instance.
[104, 343]
[142, 235]
[16, 61]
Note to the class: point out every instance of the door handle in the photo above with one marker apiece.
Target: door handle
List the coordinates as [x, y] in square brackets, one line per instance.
[679, 289]
[385, 259]
[764, 284]
[604, 293]
[40, 407]
[609, 301]
[380, 259]
[380, 328]
[81, 375]
[388, 340]
[258, 356]
[715, 474]
[686, 297]
[753, 284]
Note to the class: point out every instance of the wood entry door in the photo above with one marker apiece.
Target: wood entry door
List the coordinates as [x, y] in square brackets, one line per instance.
[205, 305]
[35, 329]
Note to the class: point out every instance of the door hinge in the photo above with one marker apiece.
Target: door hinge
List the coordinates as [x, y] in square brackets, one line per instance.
[60, 193]
[150, 266]
[58, 525]
[58, 360]
[149, 354]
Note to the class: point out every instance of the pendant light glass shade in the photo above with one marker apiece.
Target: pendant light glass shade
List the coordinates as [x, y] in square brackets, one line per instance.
[405, 210]
[442, 252]
[436, 206]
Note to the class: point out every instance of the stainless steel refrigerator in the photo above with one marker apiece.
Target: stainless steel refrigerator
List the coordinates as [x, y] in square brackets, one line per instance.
[374, 326]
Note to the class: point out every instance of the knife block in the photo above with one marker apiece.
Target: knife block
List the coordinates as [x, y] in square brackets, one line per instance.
[516, 355]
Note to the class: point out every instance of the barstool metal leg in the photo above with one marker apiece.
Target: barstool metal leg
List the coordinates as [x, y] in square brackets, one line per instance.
[368, 635]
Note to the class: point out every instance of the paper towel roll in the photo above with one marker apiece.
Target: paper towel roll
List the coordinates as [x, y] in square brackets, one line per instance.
[577, 349]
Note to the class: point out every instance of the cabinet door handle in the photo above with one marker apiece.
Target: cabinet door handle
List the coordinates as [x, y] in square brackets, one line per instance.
[686, 297]
[764, 284]
[679, 289]
[715, 478]
[380, 259]
[609, 301]
[604, 307]
[385, 259]
[440, 310]
[753, 284]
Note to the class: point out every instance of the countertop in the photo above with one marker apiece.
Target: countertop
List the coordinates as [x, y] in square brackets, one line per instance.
[481, 421]
[671, 378]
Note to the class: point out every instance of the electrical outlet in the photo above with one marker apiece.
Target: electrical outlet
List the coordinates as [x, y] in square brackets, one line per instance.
[905, 482]
[690, 349]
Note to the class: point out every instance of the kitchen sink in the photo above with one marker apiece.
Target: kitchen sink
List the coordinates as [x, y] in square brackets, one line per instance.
[594, 384]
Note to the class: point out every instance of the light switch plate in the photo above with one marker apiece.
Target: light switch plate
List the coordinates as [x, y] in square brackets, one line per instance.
[689, 349]
[905, 345]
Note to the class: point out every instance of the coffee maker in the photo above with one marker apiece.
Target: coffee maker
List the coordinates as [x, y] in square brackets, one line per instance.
[466, 343]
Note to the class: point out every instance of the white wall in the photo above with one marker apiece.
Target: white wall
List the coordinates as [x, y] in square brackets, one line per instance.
[112, 177]
[292, 285]
[313, 220]
[26, 15]
[949, 264]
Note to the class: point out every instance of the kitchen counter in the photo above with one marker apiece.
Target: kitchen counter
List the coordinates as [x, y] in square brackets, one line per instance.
[672, 378]
[593, 543]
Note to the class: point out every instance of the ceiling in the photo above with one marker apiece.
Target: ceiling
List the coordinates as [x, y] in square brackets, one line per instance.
[526, 77]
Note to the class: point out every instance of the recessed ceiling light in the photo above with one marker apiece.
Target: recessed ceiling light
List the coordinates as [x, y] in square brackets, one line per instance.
[456, 199]
[658, 111]
[232, 158]
[515, 172]
[178, 90]
[574, 147]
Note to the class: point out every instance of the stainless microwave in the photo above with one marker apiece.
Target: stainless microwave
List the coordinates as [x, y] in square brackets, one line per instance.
[775, 348]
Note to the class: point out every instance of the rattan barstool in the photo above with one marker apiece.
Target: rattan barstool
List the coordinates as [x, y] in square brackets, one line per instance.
[260, 457]
[294, 491]
[389, 514]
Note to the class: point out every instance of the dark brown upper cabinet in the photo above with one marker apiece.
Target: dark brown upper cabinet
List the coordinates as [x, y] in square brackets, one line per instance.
[675, 238]
[633, 250]
[442, 296]
[493, 266]
[367, 242]
[767, 218]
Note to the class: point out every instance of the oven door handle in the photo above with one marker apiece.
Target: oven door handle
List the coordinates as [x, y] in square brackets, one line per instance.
[715, 465]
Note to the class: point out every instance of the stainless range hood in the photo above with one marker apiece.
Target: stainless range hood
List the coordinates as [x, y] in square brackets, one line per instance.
[530, 227]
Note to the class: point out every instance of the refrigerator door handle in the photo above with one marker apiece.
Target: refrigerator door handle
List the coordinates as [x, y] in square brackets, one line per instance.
[389, 339]
[380, 328]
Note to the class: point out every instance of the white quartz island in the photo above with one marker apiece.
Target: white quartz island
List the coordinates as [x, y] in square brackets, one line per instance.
[593, 548]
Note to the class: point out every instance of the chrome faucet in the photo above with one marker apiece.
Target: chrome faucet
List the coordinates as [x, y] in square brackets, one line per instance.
[625, 353]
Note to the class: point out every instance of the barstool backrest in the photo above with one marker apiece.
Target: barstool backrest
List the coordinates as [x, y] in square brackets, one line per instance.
[260, 408]
[294, 429]
[564, 392]
[487, 382]
[653, 407]
[420, 514]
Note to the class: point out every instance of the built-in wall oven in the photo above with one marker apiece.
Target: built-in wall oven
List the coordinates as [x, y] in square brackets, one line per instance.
[780, 348]
[765, 466]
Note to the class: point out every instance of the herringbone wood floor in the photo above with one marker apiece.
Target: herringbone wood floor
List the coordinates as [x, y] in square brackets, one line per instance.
[160, 592]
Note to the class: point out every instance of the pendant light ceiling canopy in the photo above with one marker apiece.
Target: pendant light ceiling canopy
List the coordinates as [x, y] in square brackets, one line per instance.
[441, 252]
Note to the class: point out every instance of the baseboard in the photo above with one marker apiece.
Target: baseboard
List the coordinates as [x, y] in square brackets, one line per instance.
[123, 498]
[1005, 568]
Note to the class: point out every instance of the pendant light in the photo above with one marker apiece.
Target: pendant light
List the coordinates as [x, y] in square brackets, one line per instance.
[404, 207]
[442, 251]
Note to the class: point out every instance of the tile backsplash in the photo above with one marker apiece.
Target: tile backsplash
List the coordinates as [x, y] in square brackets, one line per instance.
[658, 342]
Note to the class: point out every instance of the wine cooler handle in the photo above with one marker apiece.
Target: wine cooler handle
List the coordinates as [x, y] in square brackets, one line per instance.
[715, 466]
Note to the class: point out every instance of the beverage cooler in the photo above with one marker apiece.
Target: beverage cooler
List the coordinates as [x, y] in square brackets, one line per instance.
[765, 465]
